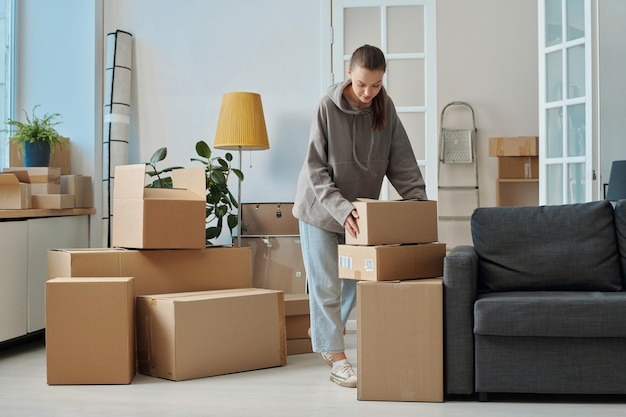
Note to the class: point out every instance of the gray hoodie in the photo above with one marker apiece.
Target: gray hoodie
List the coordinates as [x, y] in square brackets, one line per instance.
[346, 160]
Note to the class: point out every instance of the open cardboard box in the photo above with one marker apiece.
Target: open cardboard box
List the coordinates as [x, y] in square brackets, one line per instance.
[15, 192]
[159, 218]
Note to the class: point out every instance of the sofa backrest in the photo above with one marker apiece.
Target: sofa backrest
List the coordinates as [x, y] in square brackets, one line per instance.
[568, 247]
[620, 231]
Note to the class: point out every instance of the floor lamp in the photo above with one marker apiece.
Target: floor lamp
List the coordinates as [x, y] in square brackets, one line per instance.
[241, 127]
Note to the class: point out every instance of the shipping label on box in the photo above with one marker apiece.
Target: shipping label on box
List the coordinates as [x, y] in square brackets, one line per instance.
[391, 262]
[159, 218]
[59, 157]
[193, 335]
[277, 263]
[269, 219]
[384, 222]
[159, 270]
[514, 146]
[90, 330]
[15, 191]
[403, 323]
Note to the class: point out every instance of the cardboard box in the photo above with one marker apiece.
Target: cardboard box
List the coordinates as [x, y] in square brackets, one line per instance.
[199, 334]
[52, 201]
[297, 327]
[401, 322]
[43, 180]
[269, 219]
[90, 331]
[158, 271]
[391, 262]
[514, 146]
[80, 187]
[59, 158]
[296, 304]
[277, 263]
[159, 218]
[516, 167]
[299, 346]
[15, 192]
[390, 222]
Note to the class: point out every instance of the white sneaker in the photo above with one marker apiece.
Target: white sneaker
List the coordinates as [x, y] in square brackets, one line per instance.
[328, 358]
[343, 375]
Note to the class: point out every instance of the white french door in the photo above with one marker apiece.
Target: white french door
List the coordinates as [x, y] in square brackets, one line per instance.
[405, 31]
[565, 102]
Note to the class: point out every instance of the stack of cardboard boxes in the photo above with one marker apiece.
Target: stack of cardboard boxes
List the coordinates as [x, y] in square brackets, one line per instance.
[50, 187]
[160, 301]
[398, 260]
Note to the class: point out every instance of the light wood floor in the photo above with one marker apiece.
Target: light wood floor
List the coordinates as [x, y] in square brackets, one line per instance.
[299, 389]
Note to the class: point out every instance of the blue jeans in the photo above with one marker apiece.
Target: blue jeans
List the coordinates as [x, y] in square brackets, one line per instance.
[331, 299]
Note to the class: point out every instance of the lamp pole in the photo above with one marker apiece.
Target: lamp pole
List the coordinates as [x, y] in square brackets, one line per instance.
[239, 203]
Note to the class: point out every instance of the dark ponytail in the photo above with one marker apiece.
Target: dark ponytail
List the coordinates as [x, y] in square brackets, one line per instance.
[373, 59]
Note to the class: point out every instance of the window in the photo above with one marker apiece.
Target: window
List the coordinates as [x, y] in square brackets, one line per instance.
[7, 11]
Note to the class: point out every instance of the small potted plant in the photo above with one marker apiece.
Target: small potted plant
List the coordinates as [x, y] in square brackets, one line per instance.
[36, 136]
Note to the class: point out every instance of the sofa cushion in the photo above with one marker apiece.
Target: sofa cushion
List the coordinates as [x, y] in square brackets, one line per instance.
[620, 229]
[568, 247]
[551, 314]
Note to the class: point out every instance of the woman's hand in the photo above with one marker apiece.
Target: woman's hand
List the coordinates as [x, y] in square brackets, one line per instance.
[351, 226]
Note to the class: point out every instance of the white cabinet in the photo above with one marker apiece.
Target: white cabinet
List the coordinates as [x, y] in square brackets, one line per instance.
[43, 234]
[24, 248]
[13, 279]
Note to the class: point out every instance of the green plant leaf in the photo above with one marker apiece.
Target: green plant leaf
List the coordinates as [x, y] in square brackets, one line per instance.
[158, 155]
[238, 173]
[203, 149]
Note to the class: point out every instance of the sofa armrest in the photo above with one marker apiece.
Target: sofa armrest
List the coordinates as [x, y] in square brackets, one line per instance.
[460, 271]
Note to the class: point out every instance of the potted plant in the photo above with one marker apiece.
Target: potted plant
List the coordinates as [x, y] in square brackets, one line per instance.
[36, 136]
[220, 202]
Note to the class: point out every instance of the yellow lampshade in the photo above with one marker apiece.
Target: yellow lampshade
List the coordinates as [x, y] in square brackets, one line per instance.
[241, 124]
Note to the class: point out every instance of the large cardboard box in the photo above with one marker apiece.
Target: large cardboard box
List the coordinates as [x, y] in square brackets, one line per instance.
[277, 263]
[402, 323]
[514, 146]
[80, 187]
[517, 167]
[198, 334]
[52, 201]
[43, 180]
[297, 316]
[59, 157]
[90, 331]
[269, 219]
[158, 271]
[159, 218]
[391, 262]
[15, 191]
[384, 222]
[299, 346]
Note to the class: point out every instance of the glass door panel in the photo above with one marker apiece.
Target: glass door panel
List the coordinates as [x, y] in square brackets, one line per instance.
[554, 181]
[554, 76]
[576, 130]
[576, 71]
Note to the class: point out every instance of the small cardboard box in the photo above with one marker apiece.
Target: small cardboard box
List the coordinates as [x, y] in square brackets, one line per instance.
[160, 270]
[90, 331]
[15, 191]
[401, 322]
[193, 335]
[514, 146]
[80, 187]
[59, 157]
[52, 201]
[391, 262]
[159, 218]
[43, 180]
[299, 346]
[269, 219]
[390, 222]
[277, 263]
[517, 167]
[297, 316]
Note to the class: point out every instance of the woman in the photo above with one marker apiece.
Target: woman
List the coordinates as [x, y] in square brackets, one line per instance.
[355, 141]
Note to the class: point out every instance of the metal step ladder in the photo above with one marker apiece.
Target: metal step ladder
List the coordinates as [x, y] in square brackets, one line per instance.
[458, 146]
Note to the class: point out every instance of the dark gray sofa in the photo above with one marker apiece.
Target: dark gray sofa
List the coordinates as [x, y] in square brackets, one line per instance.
[537, 304]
